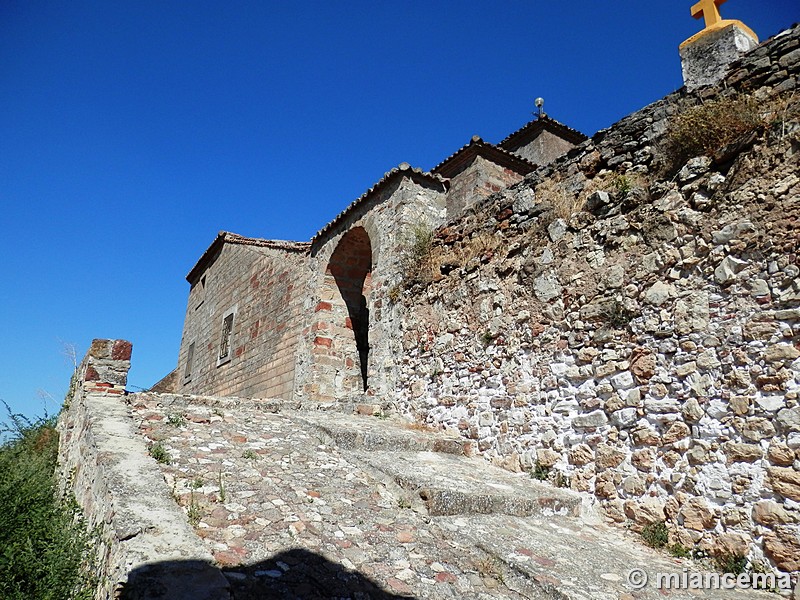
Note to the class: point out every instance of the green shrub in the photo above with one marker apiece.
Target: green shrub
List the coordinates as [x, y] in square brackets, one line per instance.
[655, 535]
[160, 453]
[680, 551]
[622, 184]
[176, 420]
[194, 512]
[615, 314]
[540, 472]
[709, 127]
[43, 544]
[731, 563]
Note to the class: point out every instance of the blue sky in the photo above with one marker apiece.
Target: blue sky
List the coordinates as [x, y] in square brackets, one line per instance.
[132, 132]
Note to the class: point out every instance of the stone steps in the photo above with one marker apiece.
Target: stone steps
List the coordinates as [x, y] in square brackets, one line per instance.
[351, 432]
[538, 541]
[458, 485]
[433, 468]
[322, 504]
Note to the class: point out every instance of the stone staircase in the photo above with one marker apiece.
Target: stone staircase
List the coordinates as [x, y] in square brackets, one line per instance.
[435, 469]
[298, 504]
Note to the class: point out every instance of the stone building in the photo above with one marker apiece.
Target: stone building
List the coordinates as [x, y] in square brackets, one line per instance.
[311, 320]
[621, 318]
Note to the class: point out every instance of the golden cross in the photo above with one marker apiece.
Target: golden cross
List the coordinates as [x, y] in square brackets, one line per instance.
[709, 9]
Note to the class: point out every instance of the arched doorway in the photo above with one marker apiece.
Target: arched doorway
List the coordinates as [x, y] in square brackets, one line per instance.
[341, 348]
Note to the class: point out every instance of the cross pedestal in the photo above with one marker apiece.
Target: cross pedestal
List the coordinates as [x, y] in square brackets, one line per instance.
[706, 55]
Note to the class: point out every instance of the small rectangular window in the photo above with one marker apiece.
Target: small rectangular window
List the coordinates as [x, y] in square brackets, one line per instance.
[201, 293]
[226, 338]
[187, 373]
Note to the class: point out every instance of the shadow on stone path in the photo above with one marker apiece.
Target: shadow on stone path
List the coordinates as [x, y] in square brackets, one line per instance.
[295, 574]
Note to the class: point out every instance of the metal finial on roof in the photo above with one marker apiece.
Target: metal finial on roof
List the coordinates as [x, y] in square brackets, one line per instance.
[539, 102]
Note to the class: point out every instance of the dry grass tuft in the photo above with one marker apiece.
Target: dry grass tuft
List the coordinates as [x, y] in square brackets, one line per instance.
[416, 255]
[706, 129]
[564, 204]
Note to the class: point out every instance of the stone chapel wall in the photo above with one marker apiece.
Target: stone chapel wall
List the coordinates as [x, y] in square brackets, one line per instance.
[480, 179]
[265, 289]
[543, 149]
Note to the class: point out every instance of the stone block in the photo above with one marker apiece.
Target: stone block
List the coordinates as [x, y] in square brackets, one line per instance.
[783, 547]
[595, 418]
[121, 350]
[706, 58]
[786, 482]
[697, 515]
[743, 452]
[100, 349]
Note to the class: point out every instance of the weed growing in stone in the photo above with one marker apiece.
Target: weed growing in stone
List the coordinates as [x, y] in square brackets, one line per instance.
[249, 454]
[486, 338]
[221, 485]
[731, 563]
[615, 314]
[176, 420]
[415, 254]
[564, 204]
[403, 502]
[655, 535]
[395, 293]
[540, 472]
[197, 483]
[759, 567]
[160, 453]
[679, 551]
[490, 567]
[786, 110]
[622, 184]
[194, 512]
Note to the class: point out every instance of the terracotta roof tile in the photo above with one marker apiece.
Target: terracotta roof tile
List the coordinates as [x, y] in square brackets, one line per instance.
[403, 170]
[224, 237]
[454, 163]
[530, 129]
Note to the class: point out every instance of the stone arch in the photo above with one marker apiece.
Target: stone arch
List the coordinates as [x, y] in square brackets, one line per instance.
[341, 346]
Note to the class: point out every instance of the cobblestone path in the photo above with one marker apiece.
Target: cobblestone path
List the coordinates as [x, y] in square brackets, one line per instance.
[321, 505]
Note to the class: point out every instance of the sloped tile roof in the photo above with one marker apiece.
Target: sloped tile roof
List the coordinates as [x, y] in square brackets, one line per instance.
[532, 128]
[226, 237]
[457, 161]
[402, 170]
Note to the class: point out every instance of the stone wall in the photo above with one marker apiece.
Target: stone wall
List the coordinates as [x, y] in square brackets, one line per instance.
[481, 178]
[121, 492]
[328, 363]
[263, 284]
[643, 349]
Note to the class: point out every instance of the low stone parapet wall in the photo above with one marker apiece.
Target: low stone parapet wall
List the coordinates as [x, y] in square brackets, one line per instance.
[145, 546]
